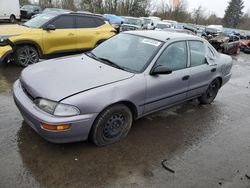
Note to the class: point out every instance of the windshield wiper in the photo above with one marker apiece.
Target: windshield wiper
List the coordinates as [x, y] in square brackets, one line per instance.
[90, 54]
[112, 63]
[104, 60]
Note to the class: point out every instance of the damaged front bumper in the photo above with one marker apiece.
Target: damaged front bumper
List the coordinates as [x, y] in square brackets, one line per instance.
[5, 51]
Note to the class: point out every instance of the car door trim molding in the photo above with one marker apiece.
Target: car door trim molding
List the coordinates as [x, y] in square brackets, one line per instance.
[157, 100]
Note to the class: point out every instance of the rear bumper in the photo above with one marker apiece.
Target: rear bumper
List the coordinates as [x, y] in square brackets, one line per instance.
[79, 125]
[5, 51]
[226, 78]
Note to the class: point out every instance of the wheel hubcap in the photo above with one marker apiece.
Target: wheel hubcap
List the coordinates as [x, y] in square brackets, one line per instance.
[114, 126]
[28, 56]
[212, 89]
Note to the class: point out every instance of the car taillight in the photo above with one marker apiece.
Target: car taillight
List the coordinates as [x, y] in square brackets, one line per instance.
[114, 31]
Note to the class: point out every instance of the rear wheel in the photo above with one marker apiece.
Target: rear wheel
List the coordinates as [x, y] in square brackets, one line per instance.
[211, 92]
[12, 19]
[26, 55]
[111, 125]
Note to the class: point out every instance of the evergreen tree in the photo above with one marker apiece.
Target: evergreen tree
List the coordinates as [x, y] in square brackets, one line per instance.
[233, 13]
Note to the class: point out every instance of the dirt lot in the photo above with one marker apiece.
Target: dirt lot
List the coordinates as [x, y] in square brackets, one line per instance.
[206, 146]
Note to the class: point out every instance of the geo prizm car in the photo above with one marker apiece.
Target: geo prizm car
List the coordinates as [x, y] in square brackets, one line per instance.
[97, 95]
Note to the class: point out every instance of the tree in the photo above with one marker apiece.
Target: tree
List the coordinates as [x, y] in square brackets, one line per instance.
[233, 13]
[198, 15]
[24, 2]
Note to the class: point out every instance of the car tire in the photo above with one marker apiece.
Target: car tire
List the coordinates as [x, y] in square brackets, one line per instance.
[112, 125]
[26, 55]
[12, 19]
[211, 92]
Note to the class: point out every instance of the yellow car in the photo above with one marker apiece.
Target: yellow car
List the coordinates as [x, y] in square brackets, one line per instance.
[48, 34]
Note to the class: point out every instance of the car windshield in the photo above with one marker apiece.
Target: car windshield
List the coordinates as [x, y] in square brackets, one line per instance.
[38, 21]
[129, 52]
[147, 21]
[163, 26]
[27, 7]
[133, 21]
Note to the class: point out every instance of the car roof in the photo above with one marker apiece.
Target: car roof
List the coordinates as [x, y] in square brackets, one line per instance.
[163, 35]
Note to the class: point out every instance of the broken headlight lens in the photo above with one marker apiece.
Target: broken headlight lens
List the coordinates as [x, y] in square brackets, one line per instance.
[4, 39]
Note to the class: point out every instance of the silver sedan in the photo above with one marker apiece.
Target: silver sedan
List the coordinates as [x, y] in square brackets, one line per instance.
[97, 95]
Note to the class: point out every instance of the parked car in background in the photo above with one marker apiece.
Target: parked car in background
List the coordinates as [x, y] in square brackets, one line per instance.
[162, 26]
[226, 44]
[190, 28]
[132, 23]
[48, 34]
[209, 33]
[151, 22]
[219, 28]
[10, 10]
[114, 20]
[174, 24]
[125, 78]
[27, 11]
[180, 31]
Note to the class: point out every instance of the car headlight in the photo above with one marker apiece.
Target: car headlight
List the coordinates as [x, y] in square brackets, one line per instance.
[57, 109]
[4, 39]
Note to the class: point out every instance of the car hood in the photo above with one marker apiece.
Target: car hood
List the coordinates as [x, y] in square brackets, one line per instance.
[13, 30]
[61, 78]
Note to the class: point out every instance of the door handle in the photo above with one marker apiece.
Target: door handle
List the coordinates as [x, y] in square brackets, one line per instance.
[186, 77]
[213, 70]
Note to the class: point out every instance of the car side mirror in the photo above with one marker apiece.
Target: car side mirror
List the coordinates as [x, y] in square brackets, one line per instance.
[160, 69]
[49, 27]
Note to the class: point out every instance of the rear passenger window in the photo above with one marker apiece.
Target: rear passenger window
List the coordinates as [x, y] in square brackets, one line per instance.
[99, 22]
[64, 22]
[198, 52]
[174, 57]
[86, 22]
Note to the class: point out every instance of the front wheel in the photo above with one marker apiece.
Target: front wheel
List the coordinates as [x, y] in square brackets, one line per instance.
[211, 92]
[26, 55]
[111, 125]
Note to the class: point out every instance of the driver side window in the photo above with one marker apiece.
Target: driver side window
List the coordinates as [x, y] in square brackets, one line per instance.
[174, 57]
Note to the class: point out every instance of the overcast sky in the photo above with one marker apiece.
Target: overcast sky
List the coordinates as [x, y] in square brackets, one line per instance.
[214, 6]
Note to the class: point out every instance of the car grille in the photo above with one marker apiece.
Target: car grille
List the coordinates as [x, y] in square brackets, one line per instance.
[23, 12]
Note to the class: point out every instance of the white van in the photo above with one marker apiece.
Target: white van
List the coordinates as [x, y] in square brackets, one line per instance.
[152, 22]
[9, 10]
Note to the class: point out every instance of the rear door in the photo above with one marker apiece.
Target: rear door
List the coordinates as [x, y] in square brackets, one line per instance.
[164, 90]
[62, 39]
[201, 71]
[88, 31]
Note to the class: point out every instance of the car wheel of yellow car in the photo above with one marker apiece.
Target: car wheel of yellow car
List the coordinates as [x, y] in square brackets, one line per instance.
[26, 55]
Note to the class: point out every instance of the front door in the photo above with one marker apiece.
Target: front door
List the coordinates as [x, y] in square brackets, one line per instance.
[165, 90]
[62, 39]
